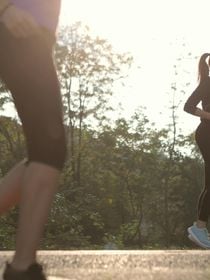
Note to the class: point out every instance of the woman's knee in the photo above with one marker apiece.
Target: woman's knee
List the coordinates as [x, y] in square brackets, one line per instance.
[50, 148]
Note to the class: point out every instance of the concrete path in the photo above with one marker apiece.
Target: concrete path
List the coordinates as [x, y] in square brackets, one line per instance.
[124, 265]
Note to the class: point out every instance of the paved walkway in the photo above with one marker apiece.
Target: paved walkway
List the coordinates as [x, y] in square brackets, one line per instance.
[124, 265]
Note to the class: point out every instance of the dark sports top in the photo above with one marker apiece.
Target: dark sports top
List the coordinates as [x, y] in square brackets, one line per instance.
[200, 94]
[46, 12]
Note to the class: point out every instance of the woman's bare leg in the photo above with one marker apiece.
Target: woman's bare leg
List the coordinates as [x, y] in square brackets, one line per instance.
[38, 189]
[10, 187]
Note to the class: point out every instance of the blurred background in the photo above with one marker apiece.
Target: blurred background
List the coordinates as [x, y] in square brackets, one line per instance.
[133, 172]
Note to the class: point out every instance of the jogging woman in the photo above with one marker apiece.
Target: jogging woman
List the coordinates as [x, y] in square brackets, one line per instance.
[198, 231]
[27, 37]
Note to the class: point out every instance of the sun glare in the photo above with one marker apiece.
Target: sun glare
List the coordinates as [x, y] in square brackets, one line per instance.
[106, 18]
[154, 32]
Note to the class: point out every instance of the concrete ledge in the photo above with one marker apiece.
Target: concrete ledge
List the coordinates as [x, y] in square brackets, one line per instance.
[108, 265]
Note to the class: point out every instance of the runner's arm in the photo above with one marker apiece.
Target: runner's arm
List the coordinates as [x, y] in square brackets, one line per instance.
[19, 22]
[4, 4]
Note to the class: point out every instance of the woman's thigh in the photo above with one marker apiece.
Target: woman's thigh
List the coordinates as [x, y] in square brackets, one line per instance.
[27, 68]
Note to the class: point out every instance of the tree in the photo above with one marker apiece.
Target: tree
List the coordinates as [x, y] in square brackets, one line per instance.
[88, 68]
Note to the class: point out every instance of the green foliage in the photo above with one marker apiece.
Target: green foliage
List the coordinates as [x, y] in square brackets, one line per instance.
[121, 195]
[126, 185]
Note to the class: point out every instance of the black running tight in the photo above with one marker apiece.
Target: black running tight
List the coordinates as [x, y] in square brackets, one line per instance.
[202, 137]
[27, 68]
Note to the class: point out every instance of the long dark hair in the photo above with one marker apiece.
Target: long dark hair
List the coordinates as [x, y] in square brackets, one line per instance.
[203, 66]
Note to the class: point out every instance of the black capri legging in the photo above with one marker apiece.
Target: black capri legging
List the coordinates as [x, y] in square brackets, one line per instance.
[27, 68]
[202, 137]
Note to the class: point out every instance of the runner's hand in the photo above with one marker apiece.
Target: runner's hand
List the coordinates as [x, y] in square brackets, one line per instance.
[19, 22]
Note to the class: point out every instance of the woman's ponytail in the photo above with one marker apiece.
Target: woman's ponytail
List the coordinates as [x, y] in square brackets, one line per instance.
[203, 67]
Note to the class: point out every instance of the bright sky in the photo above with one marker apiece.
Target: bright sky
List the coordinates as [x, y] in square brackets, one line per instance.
[154, 32]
